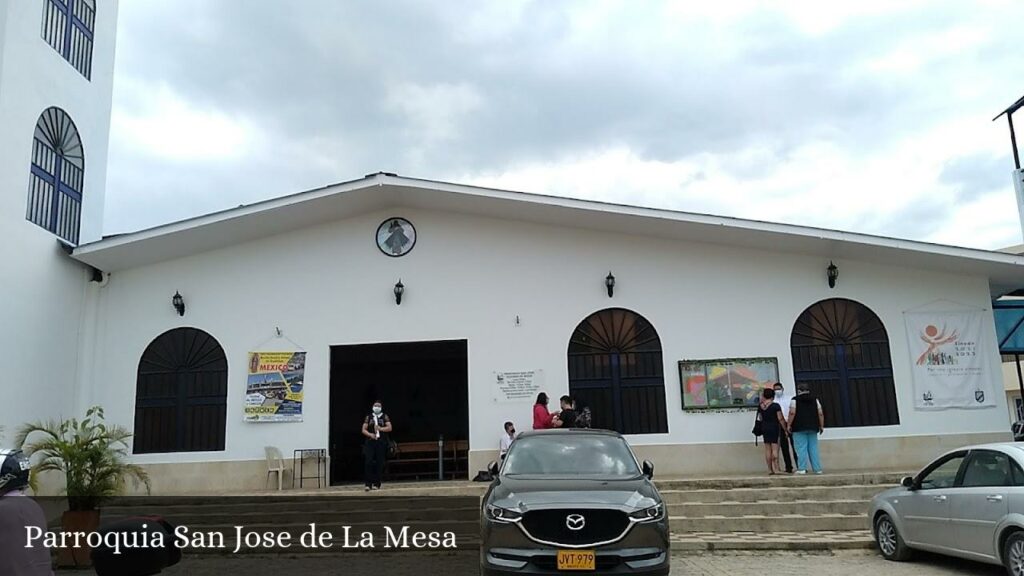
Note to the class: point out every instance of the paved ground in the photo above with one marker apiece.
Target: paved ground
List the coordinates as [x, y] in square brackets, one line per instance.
[841, 563]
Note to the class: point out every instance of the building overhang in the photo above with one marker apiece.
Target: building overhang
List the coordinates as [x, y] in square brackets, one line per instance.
[375, 192]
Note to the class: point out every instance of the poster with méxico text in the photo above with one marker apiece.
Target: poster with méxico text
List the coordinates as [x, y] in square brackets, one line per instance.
[273, 390]
[951, 360]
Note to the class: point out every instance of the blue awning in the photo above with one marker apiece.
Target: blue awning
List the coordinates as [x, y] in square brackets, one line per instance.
[1009, 315]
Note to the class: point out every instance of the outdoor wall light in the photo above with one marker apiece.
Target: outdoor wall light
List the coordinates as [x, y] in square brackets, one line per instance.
[609, 283]
[179, 303]
[399, 290]
[833, 274]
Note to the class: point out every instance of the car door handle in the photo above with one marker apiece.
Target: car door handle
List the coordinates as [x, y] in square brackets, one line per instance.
[994, 498]
[940, 498]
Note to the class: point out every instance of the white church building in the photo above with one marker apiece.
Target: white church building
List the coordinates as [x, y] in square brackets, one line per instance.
[279, 323]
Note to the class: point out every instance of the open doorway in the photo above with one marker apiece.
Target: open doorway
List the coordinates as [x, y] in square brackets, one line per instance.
[424, 388]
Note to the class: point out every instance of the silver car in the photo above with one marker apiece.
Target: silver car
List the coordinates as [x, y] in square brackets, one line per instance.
[967, 503]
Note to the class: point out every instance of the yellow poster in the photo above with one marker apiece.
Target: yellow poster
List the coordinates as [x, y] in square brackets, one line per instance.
[273, 391]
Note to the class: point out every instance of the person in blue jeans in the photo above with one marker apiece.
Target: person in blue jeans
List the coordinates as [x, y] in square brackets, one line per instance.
[806, 421]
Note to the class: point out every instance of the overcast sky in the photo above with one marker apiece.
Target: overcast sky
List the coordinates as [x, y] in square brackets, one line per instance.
[869, 116]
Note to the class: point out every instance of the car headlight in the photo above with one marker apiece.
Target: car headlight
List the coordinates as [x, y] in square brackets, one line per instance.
[499, 514]
[651, 514]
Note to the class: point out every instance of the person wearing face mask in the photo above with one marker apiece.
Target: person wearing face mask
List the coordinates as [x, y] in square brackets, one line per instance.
[784, 438]
[507, 438]
[376, 427]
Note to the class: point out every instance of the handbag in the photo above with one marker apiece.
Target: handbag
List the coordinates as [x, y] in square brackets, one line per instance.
[758, 424]
[392, 448]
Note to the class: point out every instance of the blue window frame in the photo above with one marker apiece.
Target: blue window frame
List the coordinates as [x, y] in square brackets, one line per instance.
[68, 27]
[57, 174]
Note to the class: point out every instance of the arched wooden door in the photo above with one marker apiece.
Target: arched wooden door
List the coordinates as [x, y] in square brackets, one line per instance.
[840, 347]
[616, 369]
[181, 395]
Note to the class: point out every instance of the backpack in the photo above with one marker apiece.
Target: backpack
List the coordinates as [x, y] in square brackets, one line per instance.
[758, 424]
[583, 418]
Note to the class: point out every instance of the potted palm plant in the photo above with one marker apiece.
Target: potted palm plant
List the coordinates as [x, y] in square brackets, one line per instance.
[92, 456]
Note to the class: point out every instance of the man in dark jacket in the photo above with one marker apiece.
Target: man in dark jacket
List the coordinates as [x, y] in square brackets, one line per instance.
[567, 417]
[806, 421]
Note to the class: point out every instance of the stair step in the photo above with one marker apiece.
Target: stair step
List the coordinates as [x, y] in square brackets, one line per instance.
[759, 524]
[803, 508]
[773, 541]
[773, 494]
[784, 480]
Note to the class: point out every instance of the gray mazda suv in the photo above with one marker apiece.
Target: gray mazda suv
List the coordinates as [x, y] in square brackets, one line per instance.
[573, 500]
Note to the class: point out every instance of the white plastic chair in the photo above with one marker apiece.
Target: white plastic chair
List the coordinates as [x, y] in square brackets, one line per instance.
[275, 463]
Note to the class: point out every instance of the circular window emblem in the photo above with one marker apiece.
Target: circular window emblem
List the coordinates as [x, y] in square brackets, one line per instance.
[396, 237]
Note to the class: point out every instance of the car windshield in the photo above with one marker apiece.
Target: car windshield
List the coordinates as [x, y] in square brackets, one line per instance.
[570, 454]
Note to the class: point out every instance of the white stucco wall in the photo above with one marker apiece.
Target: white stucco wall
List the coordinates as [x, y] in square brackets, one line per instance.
[469, 277]
[42, 294]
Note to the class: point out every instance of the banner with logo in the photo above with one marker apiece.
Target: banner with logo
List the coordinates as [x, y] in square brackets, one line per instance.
[273, 391]
[951, 360]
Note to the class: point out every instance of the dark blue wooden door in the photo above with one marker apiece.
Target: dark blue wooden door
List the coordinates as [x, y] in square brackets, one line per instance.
[616, 370]
[181, 394]
[841, 349]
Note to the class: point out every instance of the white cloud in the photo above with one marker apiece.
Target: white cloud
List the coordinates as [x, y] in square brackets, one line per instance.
[433, 112]
[871, 116]
[158, 122]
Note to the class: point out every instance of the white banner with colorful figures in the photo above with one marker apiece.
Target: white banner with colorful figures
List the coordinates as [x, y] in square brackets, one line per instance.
[273, 391]
[951, 360]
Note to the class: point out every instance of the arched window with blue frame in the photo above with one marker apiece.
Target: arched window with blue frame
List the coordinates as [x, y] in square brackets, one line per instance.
[68, 26]
[58, 171]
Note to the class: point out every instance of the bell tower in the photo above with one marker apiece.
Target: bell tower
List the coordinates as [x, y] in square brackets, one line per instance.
[56, 80]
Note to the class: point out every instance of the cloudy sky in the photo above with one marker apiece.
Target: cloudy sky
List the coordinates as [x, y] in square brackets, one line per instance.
[872, 116]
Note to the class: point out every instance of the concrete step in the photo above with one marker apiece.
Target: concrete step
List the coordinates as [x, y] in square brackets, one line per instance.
[802, 508]
[772, 541]
[773, 494]
[785, 480]
[759, 524]
[198, 516]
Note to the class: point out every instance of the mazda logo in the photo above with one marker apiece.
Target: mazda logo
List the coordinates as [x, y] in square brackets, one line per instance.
[575, 521]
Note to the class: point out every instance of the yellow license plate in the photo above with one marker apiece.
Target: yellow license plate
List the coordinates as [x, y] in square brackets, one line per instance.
[576, 560]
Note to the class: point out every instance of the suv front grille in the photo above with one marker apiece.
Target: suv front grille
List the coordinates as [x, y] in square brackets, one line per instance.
[600, 525]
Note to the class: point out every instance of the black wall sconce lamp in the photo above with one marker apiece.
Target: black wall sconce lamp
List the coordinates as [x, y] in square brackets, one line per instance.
[609, 283]
[833, 274]
[179, 303]
[399, 290]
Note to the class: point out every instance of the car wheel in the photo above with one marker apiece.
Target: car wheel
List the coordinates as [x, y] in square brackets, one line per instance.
[1013, 554]
[890, 543]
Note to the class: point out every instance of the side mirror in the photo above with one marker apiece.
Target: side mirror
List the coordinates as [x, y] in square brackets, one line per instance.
[493, 469]
[648, 469]
[907, 482]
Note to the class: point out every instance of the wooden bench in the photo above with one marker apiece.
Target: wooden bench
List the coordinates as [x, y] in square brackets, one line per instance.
[456, 459]
[419, 460]
[413, 460]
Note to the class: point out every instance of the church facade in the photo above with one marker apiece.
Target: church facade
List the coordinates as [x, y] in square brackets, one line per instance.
[665, 324]
[278, 324]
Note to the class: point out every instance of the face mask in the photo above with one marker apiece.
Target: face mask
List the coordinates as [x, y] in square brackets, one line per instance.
[376, 409]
